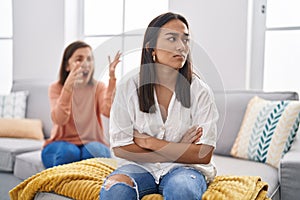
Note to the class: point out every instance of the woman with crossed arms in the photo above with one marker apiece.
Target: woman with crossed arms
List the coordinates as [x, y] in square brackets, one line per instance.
[163, 121]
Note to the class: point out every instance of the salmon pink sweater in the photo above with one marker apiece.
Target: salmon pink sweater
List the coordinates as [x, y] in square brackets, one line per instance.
[76, 115]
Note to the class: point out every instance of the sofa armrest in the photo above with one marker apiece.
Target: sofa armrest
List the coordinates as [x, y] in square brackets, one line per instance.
[289, 174]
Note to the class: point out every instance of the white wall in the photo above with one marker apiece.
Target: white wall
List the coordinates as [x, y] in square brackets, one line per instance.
[42, 28]
[220, 27]
[38, 27]
[72, 21]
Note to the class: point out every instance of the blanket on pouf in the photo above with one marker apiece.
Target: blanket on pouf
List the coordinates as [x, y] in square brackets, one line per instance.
[83, 180]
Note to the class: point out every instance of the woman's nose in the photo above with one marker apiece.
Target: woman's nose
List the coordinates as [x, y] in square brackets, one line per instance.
[84, 64]
[180, 46]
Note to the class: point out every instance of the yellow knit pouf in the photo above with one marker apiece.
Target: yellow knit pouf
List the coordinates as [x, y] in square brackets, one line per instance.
[83, 180]
[79, 180]
[236, 187]
[153, 197]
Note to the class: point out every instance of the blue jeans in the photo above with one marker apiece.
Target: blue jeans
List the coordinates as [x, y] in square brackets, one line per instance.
[179, 183]
[61, 152]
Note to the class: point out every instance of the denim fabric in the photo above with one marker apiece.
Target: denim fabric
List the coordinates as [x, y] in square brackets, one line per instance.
[94, 150]
[182, 183]
[142, 179]
[179, 183]
[61, 152]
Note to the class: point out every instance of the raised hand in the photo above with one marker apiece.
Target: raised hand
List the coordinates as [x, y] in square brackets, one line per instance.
[113, 64]
[75, 76]
[192, 135]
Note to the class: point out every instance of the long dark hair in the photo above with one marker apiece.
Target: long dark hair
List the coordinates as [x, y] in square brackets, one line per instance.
[147, 70]
[69, 51]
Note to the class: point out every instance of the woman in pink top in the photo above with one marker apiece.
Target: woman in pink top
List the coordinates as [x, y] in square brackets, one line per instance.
[77, 103]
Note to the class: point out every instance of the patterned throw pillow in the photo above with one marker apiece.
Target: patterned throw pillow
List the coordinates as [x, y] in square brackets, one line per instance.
[13, 105]
[267, 131]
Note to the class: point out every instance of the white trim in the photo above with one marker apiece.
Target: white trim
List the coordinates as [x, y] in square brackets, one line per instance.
[249, 43]
[81, 19]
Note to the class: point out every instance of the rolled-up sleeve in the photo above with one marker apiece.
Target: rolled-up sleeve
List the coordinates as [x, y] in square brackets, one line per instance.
[204, 112]
[121, 123]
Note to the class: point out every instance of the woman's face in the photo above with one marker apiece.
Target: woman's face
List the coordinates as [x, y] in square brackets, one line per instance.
[82, 57]
[172, 45]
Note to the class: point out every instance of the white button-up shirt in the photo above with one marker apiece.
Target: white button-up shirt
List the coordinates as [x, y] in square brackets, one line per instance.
[126, 116]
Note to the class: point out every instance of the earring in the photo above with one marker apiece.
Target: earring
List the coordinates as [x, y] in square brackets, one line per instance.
[154, 58]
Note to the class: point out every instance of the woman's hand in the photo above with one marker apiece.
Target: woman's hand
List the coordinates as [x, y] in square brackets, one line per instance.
[113, 64]
[74, 77]
[145, 141]
[142, 140]
[192, 135]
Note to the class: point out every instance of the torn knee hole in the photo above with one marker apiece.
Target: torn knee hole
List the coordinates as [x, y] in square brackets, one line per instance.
[118, 178]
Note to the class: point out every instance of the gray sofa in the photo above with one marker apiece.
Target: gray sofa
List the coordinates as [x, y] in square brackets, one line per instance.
[22, 157]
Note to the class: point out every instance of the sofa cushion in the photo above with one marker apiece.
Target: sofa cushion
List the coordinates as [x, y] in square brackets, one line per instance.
[7, 182]
[268, 130]
[49, 196]
[289, 172]
[240, 167]
[13, 105]
[11, 147]
[28, 164]
[232, 106]
[21, 128]
[38, 105]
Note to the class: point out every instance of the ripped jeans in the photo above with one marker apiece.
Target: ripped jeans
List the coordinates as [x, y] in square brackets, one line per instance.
[179, 183]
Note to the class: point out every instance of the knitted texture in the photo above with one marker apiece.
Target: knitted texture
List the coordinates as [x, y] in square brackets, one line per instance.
[236, 187]
[78, 180]
[153, 197]
[83, 180]
[230, 187]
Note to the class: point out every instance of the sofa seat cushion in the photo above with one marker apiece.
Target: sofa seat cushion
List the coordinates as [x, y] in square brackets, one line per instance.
[49, 196]
[11, 147]
[28, 164]
[241, 167]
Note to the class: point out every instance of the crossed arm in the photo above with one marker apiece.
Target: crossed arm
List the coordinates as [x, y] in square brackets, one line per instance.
[150, 149]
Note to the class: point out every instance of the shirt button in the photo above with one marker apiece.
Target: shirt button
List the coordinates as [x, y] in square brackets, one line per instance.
[158, 165]
[163, 128]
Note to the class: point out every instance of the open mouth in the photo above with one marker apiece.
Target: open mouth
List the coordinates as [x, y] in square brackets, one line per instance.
[85, 73]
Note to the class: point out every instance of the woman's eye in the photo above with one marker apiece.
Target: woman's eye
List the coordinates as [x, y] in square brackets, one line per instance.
[172, 39]
[186, 40]
[89, 59]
